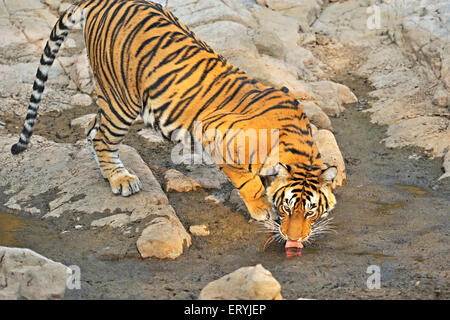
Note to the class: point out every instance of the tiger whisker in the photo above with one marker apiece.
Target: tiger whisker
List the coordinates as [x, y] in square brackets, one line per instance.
[321, 227]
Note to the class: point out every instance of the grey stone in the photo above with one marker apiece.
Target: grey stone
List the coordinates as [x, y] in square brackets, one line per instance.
[163, 239]
[247, 283]
[25, 274]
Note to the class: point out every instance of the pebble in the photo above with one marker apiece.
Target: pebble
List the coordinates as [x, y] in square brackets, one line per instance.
[199, 230]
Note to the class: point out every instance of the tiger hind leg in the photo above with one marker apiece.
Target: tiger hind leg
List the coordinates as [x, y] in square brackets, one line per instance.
[103, 139]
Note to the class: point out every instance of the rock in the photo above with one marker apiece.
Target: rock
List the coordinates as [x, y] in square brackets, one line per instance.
[34, 28]
[151, 135]
[82, 99]
[163, 239]
[81, 73]
[347, 20]
[176, 181]
[247, 283]
[236, 199]
[122, 220]
[268, 43]
[53, 4]
[306, 10]
[404, 58]
[332, 96]
[316, 115]
[9, 34]
[298, 60]
[307, 38]
[14, 75]
[199, 230]
[114, 221]
[331, 155]
[23, 5]
[70, 177]
[63, 7]
[112, 253]
[230, 39]
[25, 274]
[214, 198]
[428, 132]
[441, 97]
[48, 17]
[160, 210]
[82, 121]
[207, 176]
[195, 13]
[445, 72]
[313, 129]
[278, 74]
[286, 28]
[446, 166]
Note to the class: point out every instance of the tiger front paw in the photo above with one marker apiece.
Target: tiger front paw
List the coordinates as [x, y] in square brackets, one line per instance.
[125, 182]
[260, 209]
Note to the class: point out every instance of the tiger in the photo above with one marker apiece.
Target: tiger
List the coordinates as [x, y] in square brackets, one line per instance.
[146, 62]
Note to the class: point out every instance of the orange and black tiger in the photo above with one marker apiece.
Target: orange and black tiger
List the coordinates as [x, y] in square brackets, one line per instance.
[146, 62]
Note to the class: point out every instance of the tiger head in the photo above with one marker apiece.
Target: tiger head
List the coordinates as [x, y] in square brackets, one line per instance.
[302, 199]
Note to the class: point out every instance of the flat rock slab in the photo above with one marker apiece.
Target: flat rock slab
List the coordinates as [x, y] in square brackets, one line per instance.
[71, 174]
[25, 274]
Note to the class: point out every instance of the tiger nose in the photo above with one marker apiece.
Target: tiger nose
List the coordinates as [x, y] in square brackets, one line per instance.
[297, 235]
[293, 236]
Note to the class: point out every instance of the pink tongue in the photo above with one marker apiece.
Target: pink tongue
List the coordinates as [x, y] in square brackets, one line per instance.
[293, 244]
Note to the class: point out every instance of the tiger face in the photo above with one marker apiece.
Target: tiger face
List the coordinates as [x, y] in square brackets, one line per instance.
[302, 200]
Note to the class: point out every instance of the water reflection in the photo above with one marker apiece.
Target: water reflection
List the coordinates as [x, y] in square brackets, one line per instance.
[10, 228]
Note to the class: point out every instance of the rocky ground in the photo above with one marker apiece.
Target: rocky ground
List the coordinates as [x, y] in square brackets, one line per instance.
[375, 87]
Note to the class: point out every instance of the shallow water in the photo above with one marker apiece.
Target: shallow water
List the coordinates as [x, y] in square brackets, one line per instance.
[10, 227]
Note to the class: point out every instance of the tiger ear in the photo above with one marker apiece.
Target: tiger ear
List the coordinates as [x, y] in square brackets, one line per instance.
[283, 170]
[327, 176]
[278, 171]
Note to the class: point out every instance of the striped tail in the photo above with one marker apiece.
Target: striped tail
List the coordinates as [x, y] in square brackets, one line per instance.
[66, 22]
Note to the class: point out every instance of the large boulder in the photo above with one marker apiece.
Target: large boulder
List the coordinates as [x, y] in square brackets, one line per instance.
[247, 283]
[25, 274]
[332, 96]
[164, 239]
[331, 155]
